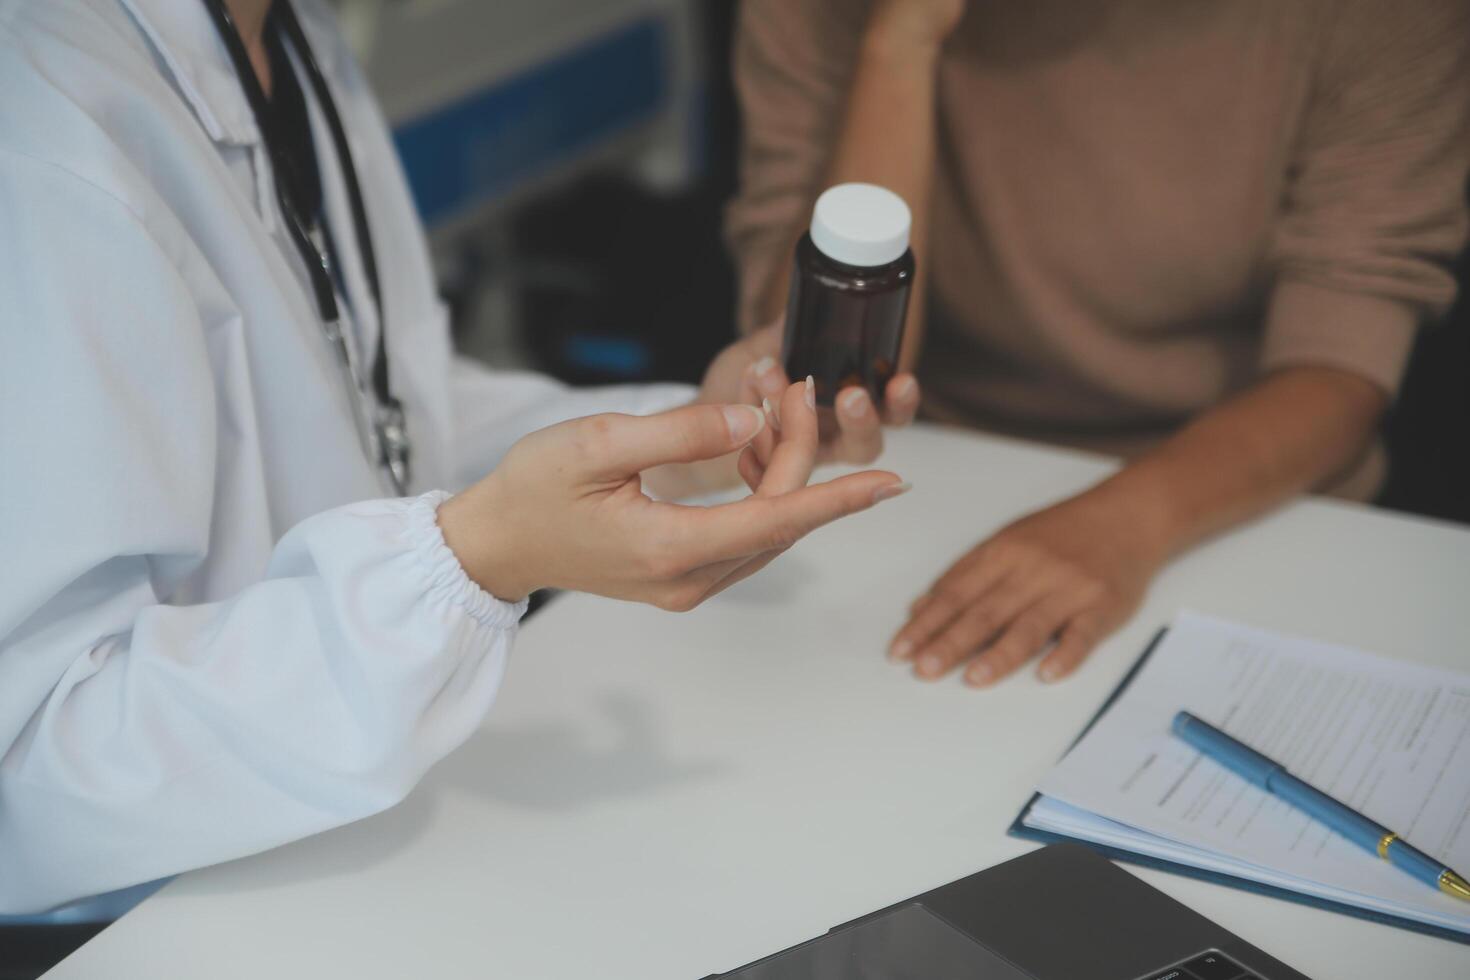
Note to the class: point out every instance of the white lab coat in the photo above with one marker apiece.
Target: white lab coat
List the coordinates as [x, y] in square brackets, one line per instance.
[216, 634]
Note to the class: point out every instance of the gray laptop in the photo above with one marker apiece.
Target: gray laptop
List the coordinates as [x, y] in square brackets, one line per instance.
[1061, 913]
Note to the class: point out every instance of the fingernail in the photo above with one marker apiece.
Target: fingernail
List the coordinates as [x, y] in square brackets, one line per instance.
[767, 377]
[979, 674]
[891, 491]
[770, 411]
[1049, 672]
[855, 403]
[900, 651]
[930, 666]
[744, 422]
[907, 387]
[811, 393]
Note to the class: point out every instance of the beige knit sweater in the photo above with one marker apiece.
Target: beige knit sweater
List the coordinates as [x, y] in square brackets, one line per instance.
[1142, 205]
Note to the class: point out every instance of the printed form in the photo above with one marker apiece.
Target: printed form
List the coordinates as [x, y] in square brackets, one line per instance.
[1389, 738]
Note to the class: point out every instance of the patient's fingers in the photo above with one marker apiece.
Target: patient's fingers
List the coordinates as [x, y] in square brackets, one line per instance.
[975, 627]
[901, 399]
[860, 431]
[769, 377]
[1074, 643]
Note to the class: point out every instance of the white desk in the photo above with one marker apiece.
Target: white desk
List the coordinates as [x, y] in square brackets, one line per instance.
[659, 797]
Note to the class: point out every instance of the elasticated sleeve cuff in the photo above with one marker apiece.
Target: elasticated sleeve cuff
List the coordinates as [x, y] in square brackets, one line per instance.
[444, 575]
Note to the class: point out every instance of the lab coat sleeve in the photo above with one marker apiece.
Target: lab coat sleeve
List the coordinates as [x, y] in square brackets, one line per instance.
[493, 409]
[142, 734]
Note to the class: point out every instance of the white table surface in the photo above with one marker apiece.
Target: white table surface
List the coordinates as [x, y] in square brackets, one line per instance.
[661, 797]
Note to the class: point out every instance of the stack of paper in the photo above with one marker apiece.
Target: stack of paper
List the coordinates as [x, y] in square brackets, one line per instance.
[1388, 738]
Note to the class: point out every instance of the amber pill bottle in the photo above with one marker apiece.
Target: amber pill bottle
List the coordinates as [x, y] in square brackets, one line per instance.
[850, 285]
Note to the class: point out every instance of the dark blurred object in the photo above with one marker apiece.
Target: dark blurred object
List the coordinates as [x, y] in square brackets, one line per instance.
[539, 600]
[1429, 430]
[27, 952]
[618, 283]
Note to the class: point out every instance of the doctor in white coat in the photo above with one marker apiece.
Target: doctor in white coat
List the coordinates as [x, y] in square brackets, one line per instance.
[237, 603]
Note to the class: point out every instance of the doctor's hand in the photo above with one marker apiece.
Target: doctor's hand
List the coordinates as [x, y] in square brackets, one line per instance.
[1068, 575]
[566, 509]
[748, 371]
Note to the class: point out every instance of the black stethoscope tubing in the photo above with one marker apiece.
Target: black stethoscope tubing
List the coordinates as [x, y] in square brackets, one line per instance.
[390, 435]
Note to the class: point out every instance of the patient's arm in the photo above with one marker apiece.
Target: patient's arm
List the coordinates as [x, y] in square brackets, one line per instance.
[1076, 571]
[796, 71]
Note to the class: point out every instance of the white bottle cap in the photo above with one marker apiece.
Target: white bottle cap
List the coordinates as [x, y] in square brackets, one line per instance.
[860, 224]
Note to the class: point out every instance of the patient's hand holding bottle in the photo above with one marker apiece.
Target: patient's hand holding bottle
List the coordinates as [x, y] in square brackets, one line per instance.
[853, 272]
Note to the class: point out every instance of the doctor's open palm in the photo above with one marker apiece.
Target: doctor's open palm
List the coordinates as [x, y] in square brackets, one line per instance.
[566, 507]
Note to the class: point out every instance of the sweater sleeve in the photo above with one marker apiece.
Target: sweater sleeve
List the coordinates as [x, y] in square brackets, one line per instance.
[1375, 206]
[794, 61]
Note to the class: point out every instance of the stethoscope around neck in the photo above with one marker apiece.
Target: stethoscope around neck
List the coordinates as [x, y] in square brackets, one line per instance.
[376, 413]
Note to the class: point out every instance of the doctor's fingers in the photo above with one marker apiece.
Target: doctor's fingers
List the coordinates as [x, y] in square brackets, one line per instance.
[742, 571]
[614, 447]
[764, 443]
[690, 590]
[780, 459]
[705, 535]
[711, 580]
[795, 454]
[750, 467]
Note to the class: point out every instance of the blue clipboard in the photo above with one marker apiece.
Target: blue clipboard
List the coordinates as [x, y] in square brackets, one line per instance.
[1019, 829]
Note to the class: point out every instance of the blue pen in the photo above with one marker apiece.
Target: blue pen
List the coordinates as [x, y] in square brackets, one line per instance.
[1274, 779]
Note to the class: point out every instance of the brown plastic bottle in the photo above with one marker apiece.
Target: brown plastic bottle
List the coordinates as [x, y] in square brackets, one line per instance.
[853, 271]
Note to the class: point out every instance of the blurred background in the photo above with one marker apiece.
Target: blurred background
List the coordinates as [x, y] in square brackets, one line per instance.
[572, 159]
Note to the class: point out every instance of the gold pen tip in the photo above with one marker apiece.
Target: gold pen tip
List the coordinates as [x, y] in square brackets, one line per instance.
[1452, 884]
